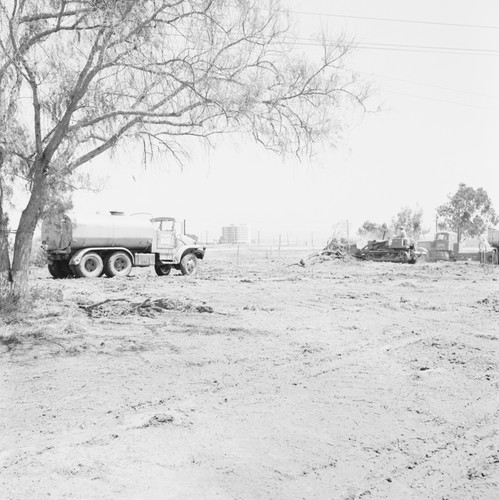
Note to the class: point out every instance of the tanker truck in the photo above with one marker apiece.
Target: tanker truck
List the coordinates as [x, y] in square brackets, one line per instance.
[90, 246]
[493, 240]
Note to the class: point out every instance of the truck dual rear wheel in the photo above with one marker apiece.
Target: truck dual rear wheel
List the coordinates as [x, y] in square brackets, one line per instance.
[52, 270]
[118, 264]
[189, 264]
[163, 269]
[60, 269]
[90, 266]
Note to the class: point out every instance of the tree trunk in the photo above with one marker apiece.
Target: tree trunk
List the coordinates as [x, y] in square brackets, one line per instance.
[24, 236]
[21, 260]
[5, 270]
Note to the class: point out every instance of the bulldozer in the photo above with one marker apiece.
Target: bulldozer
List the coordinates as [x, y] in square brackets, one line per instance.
[395, 250]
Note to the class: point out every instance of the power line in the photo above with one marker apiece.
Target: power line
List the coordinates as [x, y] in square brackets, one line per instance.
[400, 48]
[431, 47]
[403, 48]
[488, 108]
[430, 85]
[399, 45]
[389, 19]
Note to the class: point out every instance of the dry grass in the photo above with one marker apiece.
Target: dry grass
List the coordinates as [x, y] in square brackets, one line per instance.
[36, 319]
[8, 337]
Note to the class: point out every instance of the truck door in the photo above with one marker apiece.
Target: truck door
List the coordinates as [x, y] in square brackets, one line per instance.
[166, 241]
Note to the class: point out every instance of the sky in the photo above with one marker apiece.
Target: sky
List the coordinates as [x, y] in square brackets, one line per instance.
[434, 67]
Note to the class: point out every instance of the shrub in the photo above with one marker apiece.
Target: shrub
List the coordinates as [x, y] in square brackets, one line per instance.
[38, 253]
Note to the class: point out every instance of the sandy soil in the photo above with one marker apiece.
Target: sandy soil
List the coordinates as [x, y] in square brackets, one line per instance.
[255, 379]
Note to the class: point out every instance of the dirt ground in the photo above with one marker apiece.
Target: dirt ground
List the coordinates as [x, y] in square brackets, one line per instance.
[255, 379]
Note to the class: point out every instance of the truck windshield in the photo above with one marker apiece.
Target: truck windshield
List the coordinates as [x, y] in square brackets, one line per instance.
[165, 225]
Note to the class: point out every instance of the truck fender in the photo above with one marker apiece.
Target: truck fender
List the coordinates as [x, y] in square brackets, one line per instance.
[182, 251]
[76, 258]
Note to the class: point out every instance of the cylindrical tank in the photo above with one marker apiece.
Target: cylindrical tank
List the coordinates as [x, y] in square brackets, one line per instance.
[63, 233]
[493, 237]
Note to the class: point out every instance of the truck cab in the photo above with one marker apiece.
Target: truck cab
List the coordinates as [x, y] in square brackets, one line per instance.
[443, 247]
[165, 238]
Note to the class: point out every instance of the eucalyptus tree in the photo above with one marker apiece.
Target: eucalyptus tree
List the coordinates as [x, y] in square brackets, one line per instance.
[80, 77]
[468, 211]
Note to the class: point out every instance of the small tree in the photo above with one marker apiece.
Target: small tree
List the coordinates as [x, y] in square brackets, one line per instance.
[373, 230]
[410, 220]
[469, 211]
[93, 74]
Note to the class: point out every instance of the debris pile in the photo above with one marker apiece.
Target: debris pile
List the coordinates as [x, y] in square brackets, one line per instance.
[336, 248]
[491, 303]
[148, 307]
[158, 419]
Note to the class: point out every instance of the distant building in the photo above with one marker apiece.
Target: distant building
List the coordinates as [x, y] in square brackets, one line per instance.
[236, 235]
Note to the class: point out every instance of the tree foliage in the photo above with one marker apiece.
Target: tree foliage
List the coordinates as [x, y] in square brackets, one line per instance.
[373, 230]
[411, 220]
[468, 211]
[80, 77]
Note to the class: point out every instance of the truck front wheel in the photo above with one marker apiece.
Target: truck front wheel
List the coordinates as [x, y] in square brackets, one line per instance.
[90, 266]
[118, 264]
[189, 264]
